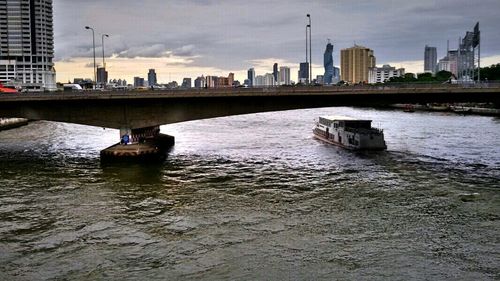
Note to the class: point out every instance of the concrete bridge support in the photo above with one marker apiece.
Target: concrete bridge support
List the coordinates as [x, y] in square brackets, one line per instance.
[143, 144]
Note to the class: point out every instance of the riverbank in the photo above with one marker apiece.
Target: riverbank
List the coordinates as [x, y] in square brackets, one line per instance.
[12, 123]
[472, 109]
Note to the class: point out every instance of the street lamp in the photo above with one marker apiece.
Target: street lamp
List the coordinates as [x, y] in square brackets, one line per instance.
[103, 62]
[93, 44]
[307, 50]
[310, 48]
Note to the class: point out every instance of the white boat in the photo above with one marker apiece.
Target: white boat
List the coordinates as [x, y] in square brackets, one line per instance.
[350, 133]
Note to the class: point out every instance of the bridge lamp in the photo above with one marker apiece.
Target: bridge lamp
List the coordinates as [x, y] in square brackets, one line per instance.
[102, 38]
[93, 44]
[310, 48]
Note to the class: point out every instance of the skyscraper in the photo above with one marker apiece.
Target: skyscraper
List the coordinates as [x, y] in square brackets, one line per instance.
[152, 81]
[304, 73]
[355, 62]
[430, 59]
[27, 43]
[328, 63]
[251, 77]
[284, 75]
[102, 77]
[275, 72]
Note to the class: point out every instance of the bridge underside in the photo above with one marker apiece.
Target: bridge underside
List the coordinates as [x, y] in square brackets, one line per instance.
[134, 110]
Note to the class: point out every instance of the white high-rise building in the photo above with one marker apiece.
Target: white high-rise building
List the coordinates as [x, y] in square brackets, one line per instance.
[284, 75]
[27, 44]
[384, 73]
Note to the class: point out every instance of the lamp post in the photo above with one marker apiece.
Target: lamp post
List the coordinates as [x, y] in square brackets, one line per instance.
[103, 61]
[307, 46]
[310, 48]
[93, 44]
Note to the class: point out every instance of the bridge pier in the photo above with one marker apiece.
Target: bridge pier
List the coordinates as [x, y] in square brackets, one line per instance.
[143, 144]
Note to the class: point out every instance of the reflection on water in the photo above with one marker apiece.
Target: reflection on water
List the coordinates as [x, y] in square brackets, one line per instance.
[255, 197]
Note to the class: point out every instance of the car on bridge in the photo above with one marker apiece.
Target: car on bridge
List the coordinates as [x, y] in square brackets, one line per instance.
[7, 90]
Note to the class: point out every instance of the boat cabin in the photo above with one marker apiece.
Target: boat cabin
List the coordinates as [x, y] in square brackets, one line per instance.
[344, 122]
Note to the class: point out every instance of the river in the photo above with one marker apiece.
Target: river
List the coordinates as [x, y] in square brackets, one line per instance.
[255, 197]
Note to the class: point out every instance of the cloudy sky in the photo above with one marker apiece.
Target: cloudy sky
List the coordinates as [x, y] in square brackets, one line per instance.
[189, 38]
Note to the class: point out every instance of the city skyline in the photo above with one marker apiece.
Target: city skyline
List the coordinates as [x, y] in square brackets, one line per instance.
[190, 43]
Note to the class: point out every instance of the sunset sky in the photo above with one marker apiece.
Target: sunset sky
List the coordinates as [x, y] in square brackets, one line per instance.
[193, 37]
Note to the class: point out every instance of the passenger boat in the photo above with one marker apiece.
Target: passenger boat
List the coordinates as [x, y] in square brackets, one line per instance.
[350, 133]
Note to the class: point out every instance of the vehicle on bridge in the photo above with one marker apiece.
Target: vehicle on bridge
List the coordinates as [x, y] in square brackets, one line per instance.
[7, 90]
[350, 133]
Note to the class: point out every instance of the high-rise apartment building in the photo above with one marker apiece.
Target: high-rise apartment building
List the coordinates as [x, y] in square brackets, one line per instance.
[152, 80]
[27, 44]
[284, 76]
[355, 62]
[251, 77]
[430, 59]
[199, 82]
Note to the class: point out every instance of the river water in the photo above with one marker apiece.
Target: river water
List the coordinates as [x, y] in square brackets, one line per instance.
[255, 197]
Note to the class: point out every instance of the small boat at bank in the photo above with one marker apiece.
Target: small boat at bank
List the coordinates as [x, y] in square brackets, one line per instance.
[350, 133]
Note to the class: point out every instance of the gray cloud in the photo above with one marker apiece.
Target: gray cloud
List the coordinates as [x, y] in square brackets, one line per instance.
[228, 34]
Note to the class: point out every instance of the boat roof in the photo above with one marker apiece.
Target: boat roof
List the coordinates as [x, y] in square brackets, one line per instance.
[343, 118]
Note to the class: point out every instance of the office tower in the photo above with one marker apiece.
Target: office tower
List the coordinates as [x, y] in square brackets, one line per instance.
[355, 62]
[199, 82]
[384, 73]
[328, 63]
[102, 76]
[138, 82]
[284, 75]
[251, 77]
[304, 73]
[27, 44]
[320, 79]
[152, 81]
[275, 72]
[186, 83]
[430, 61]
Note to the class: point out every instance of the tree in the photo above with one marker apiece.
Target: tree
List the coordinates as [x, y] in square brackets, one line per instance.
[491, 73]
[443, 75]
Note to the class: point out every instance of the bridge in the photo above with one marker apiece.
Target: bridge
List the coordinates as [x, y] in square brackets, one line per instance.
[140, 113]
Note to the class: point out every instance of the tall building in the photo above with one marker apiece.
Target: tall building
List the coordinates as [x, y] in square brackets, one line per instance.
[138, 82]
[186, 83]
[275, 72]
[220, 82]
[384, 73]
[199, 82]
[269, 80]
[355, 62]
[251, 77]
[102, 76]
[152, 81]
[328, 63]
[430, 59]
[304, 73]
[284, 76]
[27, 44]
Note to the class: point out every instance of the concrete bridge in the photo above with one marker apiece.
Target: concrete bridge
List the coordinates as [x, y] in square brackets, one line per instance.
[140, 113]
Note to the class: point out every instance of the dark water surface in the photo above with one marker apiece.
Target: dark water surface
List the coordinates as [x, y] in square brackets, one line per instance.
[255, 198]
